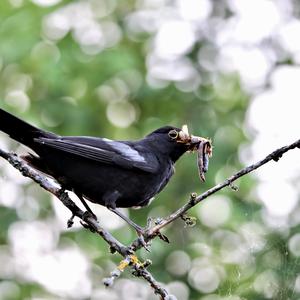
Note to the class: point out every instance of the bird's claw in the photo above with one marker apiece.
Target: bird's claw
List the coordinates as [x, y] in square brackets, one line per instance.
[142, 236]
[86, 226]
[143, 232]
[87, 214]
[144, 244]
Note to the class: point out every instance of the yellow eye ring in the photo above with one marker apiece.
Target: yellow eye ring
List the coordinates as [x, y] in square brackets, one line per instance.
[173, 134]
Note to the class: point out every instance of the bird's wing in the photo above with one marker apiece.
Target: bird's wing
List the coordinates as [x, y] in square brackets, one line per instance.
[105, 151]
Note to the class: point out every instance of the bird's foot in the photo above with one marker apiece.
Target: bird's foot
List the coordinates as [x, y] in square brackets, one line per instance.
[89, 214]
[142, 237]
[141, 232]
[86, 221]
[86, 215]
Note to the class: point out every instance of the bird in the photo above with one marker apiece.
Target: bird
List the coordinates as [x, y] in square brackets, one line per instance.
[112, 173]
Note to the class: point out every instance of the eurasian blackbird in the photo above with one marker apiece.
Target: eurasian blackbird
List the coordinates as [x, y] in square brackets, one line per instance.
[107, 172]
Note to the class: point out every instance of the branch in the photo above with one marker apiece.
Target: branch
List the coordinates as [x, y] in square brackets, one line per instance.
[128, 252]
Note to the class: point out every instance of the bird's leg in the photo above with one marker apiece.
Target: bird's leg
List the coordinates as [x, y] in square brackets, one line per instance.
[141, 232]
[110, 200]
[138, 229]
[88, 209]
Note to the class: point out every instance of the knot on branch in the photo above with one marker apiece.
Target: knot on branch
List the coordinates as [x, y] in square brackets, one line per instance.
[193, 198]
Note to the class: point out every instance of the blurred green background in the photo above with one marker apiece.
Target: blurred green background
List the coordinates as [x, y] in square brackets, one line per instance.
[120, 69]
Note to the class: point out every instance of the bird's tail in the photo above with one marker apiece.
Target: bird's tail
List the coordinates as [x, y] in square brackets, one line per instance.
[20, 130]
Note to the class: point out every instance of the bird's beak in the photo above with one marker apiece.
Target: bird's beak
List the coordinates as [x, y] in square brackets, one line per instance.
[201, 145]
[193, 141]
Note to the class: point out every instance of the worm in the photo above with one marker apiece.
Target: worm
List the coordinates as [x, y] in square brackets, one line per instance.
[200, 160]
[203, 154]
[206, 157]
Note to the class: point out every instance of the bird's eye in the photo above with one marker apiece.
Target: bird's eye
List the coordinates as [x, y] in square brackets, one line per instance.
[173, 134]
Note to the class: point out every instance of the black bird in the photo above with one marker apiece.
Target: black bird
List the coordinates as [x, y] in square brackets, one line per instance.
[110, 173]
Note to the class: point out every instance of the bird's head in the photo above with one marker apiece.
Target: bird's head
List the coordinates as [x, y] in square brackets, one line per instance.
[174, 141]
